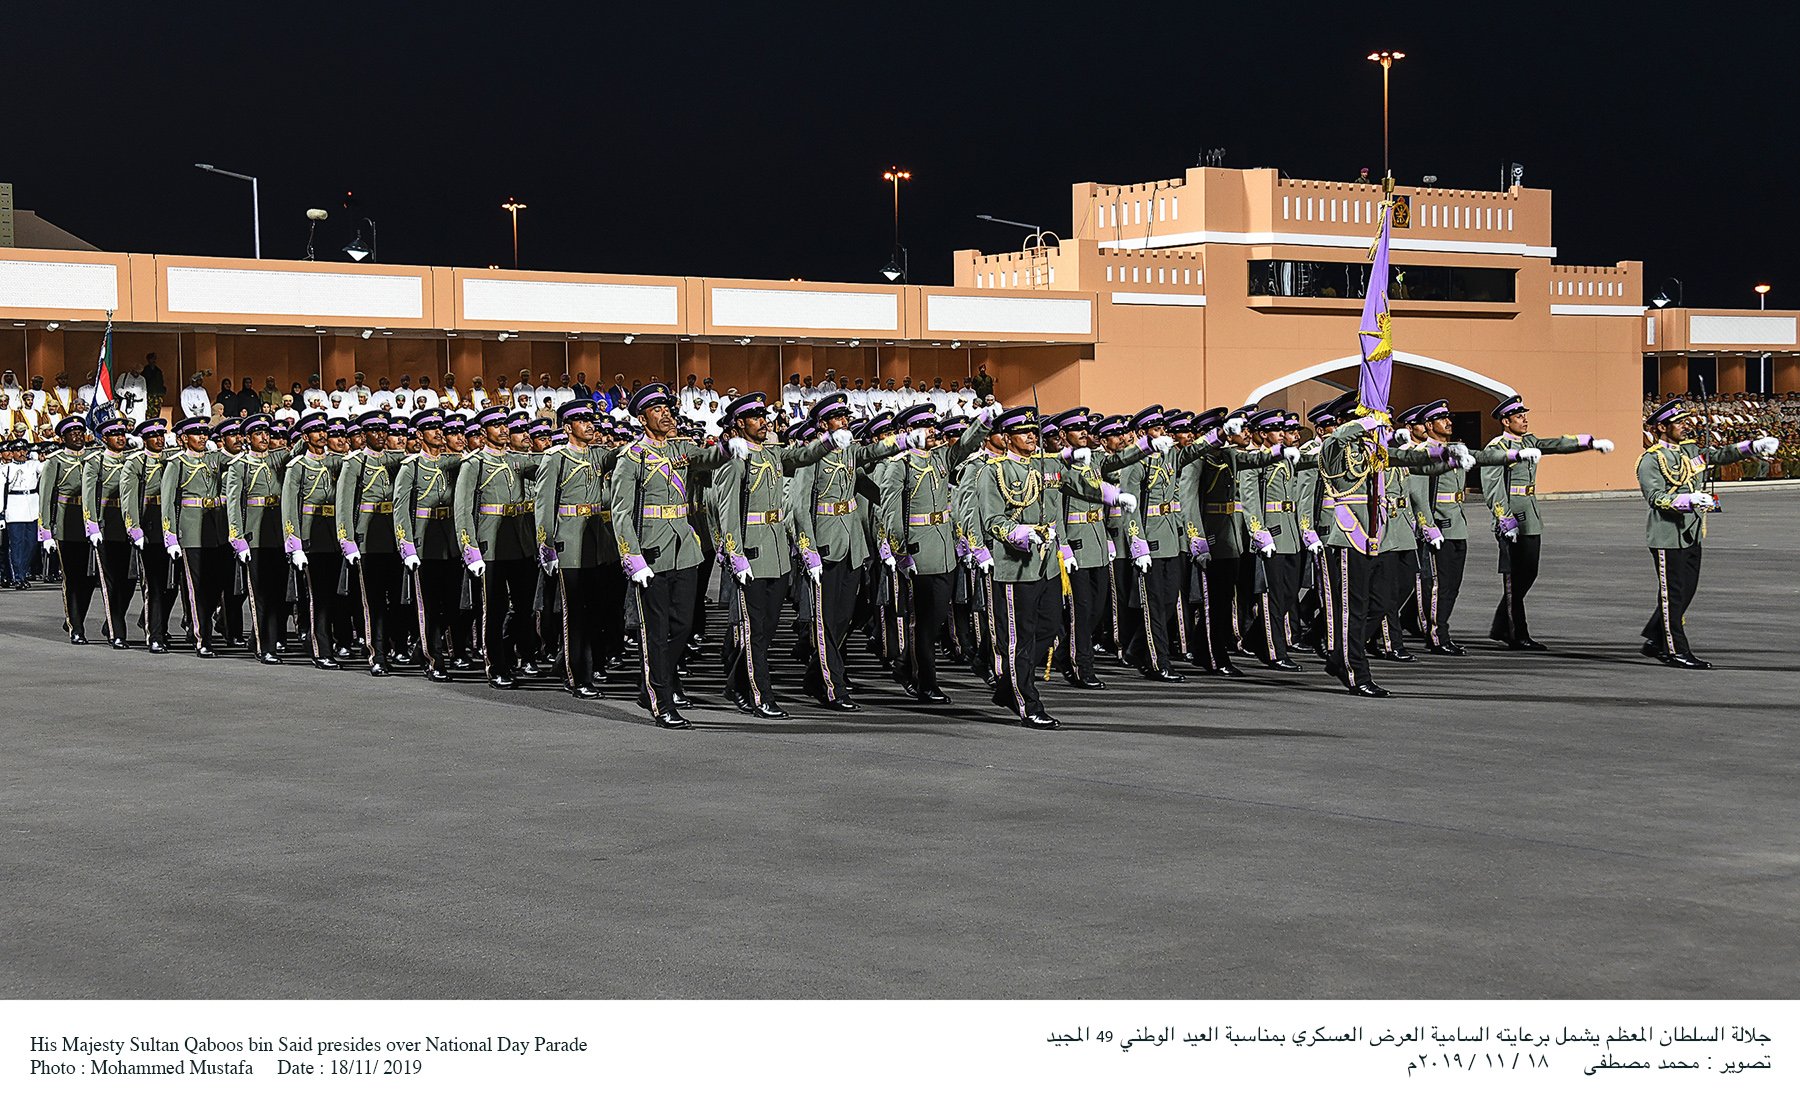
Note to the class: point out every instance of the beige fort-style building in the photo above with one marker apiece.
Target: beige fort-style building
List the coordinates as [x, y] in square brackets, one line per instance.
[1215, 288]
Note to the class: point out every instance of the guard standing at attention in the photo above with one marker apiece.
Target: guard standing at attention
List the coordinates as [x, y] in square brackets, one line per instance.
[494, 528]
[60, 524]
[309, 529]
[141, 500]
[194, 528]
[425, 537]
[253, 523]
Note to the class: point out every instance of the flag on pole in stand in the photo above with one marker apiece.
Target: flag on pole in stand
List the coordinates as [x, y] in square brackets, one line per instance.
[100, 409]
[1376, 332]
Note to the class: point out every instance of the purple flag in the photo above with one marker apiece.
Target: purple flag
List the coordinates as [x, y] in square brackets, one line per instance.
[1376, 332]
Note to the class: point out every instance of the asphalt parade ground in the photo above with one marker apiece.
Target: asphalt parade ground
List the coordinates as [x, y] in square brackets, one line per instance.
[1582, 823]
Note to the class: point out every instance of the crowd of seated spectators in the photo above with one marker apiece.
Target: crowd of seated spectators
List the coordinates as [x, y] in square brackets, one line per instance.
[1729, 417]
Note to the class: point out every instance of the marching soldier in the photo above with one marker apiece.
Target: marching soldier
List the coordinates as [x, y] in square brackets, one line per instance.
[60, 524]
[1671, 476]
[194, 529]
[1408, 520]
[920, 533]
[425, 534]
[498, 543]
[746, 501]
[658, 549]
[229, 435]
[102, 505]
[831, 537]
[365, 530]
[979, 563]
[1268, 495]
[140, 498]
[1308, 505]
[309, 528]
[1230, 535]
[254, 533]
[570, 506]
[1510, 489]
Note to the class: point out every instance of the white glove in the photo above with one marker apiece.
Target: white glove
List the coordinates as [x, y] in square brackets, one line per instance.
[1143, 564]
[353, 557]
[1036, 538]
[916, 439]
[410, 561]
[1081, 454]
[139, 543]
[842, 438]
[1437, 544]
[986, 565]
[1530, 454]
[744, 577]
[172, 551]
[50, 544]
[985, 414]
[1290, 453]
[817, 573]
[1128, 502]
[1705, 502]
[1466, 460]
[1162, 444]
[1457, 450]
[1267, 551]
[476, 568]
[1234, 425]
[298, 557]
[642, 576]
[739, 447]
[1766, 445]
[1512, 535]
[1604, 446]
[243, 555]
[96, 538]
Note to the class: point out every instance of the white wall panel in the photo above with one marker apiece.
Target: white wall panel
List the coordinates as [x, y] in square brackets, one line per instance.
[1025, 316]
[48, 285]
[570, 303]
[1753, 331]
[747, 310]
[295, 293]
[1128, 298]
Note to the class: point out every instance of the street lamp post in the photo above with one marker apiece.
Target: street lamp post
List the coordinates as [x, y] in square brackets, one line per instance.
[255, 201]
[513, 206]
[1386, 59]
[896, 268]
[1762, 366]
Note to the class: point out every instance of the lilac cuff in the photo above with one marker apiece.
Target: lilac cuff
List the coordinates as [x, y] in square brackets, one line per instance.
[348, 547]
[240, 546]
[290, 545]
[1586, 441]
[1198, 546]
[1019, 537]
[1684, 502]
[1512, 454]
[134, 533]
[1508, 523]
[1109, 493]
[633, 564]
[1139, 548]
[90, 529]
[1746, 448]
[471, 555]
[170, 542]
[810, 558]
[1068, 556]
[1369, 423]
[1309, 538]
[44, 535]
[408, 550]
[1437, 452]
[1262, 540]
[740, 564]
[546, 554]
[1431, 533]
[980, 556]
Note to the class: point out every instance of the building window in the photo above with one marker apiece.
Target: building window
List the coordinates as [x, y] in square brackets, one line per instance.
[1320, 279]
[1285, 212]
[1509, 220]
[1174, 206]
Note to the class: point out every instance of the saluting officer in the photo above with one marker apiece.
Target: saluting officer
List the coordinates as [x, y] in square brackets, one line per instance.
[570, 506]
[1444, 491]
[141, 500]
[253, 522]
[1510, 489]
[194, 528]
[1671, 476]
[102, 505]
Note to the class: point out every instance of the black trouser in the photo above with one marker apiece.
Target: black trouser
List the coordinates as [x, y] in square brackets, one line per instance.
[926, 608]
[205, 572]
[1311, 608]
[582, 610]
[1111, 622]
[1389, 586]
[1347, 603]
[702, 578]
[1440, 591]
[1025, 622]
[115, 584]
[1221, 584]
[78, 582]
[834, 602]
[506, 589]
[1677, 576]
[1518, 572]
[665, 616]
[1281, 588]
[379, 576]
[1087, 600]
[267, 590]
[1155, 595]
[159, 594]
[437, 589]
[755, 611]
[1202, 646]
[321, 602]
[1245, 599]
[231, 602]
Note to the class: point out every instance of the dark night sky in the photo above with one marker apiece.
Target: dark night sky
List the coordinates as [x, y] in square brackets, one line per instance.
[748, 140]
